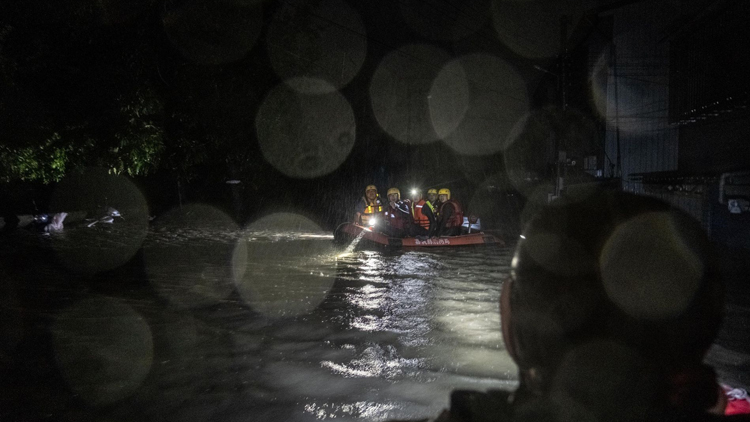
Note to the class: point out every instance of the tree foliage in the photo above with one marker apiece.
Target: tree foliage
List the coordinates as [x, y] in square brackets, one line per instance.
[76, 93]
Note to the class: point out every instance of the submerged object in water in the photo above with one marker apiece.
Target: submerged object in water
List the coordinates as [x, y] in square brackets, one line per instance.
[49, 223]
[108, 217]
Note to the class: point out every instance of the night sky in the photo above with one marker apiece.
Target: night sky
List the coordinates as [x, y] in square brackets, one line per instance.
[304, 102]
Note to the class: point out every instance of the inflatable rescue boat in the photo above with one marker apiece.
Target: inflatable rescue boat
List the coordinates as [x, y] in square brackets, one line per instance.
[351, 231]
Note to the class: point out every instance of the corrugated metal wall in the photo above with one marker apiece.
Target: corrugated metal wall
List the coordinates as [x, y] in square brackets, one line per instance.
[637, 100]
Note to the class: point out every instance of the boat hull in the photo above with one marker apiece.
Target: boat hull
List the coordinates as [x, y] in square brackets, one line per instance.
[352, 231]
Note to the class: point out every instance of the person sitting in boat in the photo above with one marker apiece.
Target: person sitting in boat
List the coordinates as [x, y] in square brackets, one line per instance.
[450, 215]
[369, 206]
[471, 224]
[397, 217]
[612, 302]
[422, 214]
[432, 199]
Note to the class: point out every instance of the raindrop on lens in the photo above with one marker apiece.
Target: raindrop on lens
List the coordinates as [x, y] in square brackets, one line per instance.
[187, 264]
[283, 266]
[400, 92]
[305, 136]
[316, 41]
[103, 348]
[475, 102]
[102, 246]
[647, 268]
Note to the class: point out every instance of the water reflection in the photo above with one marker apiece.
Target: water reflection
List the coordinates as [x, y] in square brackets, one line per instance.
[426, 322]
[381, 335]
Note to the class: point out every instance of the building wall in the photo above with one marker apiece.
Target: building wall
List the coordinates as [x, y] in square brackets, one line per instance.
[637, 103]
[637, 94]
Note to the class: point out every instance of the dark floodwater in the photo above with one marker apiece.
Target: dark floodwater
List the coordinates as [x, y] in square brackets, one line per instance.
[223, 324]
[126, 322]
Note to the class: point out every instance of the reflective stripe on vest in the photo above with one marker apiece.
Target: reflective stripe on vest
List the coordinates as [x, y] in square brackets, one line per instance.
[419, 217]
[370, 209]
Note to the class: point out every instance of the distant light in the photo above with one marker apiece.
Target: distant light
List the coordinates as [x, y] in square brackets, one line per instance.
[372, 221]
[523, 237]
[233, 182]
[414, 191]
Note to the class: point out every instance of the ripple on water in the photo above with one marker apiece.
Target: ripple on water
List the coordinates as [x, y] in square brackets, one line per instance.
[391, 337]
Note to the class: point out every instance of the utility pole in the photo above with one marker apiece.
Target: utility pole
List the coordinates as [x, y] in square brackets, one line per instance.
[562, 160]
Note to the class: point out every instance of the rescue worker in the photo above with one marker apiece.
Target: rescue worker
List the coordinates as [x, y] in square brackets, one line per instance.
[397, 217]
[612, 302]
[432, 196]
[450, 216]
[422, 214]
[369, 206]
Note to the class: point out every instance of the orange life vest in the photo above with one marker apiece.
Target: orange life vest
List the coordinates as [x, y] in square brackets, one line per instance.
[418, 216]
[457, 219]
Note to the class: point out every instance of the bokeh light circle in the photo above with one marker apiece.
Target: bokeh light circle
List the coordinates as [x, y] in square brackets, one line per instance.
[648, 270]
[600, 76]
[103, 348]
[119, 12]
[592, 372]
[317, 40]
[188, 261]
[305, 136]
[623, 102]
[283, 265]
[497, 205]
[213, 32]
[531, 151]
[557, 407]
[86, 198]
[559, 255]
[447, 21]
[531, 28]
[400, 89]
[475, 102]
[536, 197]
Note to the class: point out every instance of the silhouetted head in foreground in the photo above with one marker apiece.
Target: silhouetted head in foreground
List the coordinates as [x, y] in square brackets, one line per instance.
[613, 301]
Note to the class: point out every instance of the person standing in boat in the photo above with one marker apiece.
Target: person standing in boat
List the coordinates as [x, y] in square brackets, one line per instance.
[450, 215]
[369, 206]
[397, 217]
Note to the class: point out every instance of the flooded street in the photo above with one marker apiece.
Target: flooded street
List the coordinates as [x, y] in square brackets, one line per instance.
[216, 323]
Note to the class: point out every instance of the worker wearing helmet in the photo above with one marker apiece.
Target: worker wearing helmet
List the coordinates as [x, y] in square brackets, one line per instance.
[450, 215]
[422, 213]
[432, 196]
[369, 206]
[397, 217]
[431, 208]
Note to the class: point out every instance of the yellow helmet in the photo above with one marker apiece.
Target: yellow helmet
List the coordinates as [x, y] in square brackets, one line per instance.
[371, 187]
[394, 190]
[445, 191]
[429, 191]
